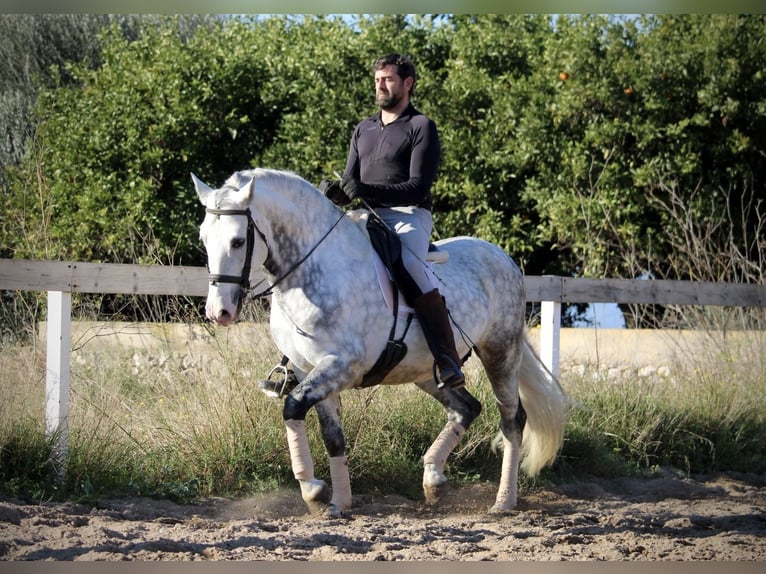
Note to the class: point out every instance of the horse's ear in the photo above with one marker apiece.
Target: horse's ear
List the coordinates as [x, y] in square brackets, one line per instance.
[248, 189]
[203, 189]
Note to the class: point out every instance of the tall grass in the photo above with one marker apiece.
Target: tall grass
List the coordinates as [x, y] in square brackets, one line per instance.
[710, 415]
[183, 424]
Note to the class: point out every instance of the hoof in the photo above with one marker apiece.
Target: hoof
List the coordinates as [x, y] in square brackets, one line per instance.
[434, 483]
[334, 512]
[316, 495]
[434, 492]
[500, 509]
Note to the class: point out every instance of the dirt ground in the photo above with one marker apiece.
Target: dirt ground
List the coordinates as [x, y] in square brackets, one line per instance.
[669, 518]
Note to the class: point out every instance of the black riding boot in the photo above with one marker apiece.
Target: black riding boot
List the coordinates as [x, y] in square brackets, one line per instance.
[431, 311]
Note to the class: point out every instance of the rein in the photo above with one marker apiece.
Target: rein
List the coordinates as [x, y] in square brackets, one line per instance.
[244, 279]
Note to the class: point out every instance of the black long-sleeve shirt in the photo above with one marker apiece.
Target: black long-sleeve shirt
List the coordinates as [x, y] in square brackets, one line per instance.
[398, 161]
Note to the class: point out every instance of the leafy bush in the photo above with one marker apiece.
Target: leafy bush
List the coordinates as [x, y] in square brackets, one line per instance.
[561, 137]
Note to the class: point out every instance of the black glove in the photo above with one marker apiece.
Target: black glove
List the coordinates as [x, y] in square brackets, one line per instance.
[332, 191]
[353, 188]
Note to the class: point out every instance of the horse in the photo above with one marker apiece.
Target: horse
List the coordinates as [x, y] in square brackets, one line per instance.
[328, 315]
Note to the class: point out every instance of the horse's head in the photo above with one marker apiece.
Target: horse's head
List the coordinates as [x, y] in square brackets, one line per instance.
[234, 246]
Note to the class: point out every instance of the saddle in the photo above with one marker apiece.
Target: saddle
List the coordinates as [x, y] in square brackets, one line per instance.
[388, 246]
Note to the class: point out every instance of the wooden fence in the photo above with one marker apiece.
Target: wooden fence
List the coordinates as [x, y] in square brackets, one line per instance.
[60, 279]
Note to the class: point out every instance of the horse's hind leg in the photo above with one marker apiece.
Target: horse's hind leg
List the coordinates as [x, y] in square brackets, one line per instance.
[462, 408]
[512, 430]
[503, 372]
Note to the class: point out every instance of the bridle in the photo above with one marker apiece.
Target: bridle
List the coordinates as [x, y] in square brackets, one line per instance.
[243, 280]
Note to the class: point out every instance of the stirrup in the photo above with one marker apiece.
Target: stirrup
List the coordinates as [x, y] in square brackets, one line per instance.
[279, 388]
[454, 383]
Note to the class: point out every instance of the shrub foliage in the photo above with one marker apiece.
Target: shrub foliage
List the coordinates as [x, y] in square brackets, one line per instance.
[562, 137]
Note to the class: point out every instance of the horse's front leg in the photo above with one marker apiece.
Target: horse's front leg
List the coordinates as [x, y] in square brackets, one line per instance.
[320, 388]
[334, 439]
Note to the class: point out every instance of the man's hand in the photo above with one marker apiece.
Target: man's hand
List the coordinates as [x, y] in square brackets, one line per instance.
[352, 187]
[332, 190]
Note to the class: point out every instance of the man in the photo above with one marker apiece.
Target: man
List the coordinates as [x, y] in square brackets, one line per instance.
[392, 163]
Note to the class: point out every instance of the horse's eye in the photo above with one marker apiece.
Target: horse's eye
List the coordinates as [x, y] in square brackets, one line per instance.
[237, 243]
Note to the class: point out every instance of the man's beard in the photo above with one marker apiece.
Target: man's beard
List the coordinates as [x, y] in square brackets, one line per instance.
[387, 101]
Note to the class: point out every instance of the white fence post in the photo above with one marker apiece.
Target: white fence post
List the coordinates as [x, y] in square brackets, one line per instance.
[550, 335]
[59, 345]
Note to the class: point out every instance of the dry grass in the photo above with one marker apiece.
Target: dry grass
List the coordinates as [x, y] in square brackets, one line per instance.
[183, 420]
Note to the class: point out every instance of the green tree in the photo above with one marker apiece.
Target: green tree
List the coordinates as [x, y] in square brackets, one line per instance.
[485, 91]
[581, 187]
[317, 76]
[34, 48]
[569, 142]
[702, 135]
[118, 147]
[321, 70]
[670, 102]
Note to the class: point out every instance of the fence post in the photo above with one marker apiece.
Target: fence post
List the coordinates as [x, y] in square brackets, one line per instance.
[550, 335]
[59, 346]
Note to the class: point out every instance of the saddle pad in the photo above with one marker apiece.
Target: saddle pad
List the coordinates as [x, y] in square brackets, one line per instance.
[387, 287]
[386, 284]
[385, 281]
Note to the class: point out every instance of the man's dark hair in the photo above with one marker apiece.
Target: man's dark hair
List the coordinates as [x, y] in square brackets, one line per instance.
[404, 67]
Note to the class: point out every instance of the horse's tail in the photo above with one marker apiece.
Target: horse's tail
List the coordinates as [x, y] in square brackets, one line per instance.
[547, 408]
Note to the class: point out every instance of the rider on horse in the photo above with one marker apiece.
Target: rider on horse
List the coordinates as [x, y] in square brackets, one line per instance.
[392, 163]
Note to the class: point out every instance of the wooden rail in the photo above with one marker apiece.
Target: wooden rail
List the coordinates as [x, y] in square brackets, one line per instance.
[80, 277]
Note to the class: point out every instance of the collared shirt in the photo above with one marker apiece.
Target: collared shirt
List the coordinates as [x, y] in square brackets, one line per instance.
[398, 160]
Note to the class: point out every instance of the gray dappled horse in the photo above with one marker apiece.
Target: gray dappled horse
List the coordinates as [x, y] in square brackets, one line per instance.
[329, 316]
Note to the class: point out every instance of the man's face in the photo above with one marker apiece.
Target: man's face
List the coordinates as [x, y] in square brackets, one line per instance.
[389, 87]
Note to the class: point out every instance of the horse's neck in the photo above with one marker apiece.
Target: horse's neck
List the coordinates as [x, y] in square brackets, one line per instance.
[297, 222]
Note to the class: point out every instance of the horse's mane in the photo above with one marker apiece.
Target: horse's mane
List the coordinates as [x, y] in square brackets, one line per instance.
[267, 175]
[273, 178]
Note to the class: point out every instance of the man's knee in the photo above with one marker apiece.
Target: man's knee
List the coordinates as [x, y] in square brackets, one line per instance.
[406, 283]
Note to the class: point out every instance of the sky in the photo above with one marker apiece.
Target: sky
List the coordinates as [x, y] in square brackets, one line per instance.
[387, 6]
[603, 316]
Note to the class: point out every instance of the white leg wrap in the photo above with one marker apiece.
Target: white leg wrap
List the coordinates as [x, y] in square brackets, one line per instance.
[507, 492]
[444, 444]
[341, 482]
[300, 455]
